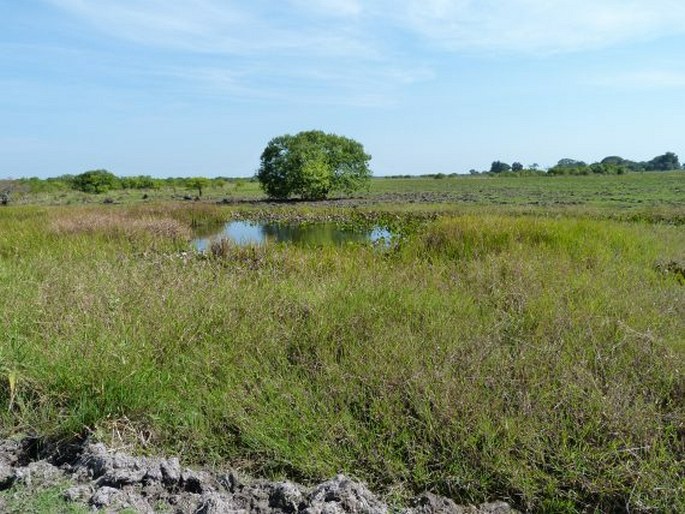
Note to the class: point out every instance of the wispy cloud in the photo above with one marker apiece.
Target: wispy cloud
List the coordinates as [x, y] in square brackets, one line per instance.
[225, 27]
[376, 88]
[192, 25]
[330, 8]
[540, 26]
[642, 79]
[320, 49]
[345, 27]
[357, 49]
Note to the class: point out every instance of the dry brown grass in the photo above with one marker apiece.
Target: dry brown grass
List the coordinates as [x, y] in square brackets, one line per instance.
[119, 224]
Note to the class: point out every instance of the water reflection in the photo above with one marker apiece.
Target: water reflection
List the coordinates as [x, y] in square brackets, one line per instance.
[306, 234]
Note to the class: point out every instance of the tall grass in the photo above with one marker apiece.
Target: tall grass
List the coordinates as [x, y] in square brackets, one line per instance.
[534, 360]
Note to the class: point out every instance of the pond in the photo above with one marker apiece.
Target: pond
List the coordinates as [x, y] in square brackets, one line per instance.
[306, 234]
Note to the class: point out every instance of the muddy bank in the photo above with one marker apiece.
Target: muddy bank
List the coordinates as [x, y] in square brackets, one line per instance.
[100, 479]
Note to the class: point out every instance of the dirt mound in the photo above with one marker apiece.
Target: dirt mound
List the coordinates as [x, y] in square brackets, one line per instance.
[95, 477]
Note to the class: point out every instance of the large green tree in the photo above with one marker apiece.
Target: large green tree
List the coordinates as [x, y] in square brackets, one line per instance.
[312, 164]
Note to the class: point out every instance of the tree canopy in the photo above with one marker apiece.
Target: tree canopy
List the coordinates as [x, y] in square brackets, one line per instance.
[570, 163]
[665, 162]
[198, 183]
[311, 164]
[499, 167]
[95, 181]
[615, 165]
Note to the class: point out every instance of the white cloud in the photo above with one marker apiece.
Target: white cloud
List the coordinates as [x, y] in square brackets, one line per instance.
[365, 49]
[223, 27]
[540, 26]
[347, 26]
[316, 47]
[643, 79]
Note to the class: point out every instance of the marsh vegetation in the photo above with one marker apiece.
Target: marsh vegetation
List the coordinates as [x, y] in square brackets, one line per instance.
[510, 346]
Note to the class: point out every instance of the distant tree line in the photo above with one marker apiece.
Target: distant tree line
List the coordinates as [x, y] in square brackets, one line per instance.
[102, 181]
[612, 165]
[425, 175]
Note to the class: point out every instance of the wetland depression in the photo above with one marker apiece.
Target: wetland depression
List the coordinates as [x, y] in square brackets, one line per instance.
[245, 233]
[491, 354]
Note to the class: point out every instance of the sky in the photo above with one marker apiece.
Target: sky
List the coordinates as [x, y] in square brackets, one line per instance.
[199, 87]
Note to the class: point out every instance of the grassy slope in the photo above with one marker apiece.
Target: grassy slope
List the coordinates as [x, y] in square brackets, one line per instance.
[537, 360]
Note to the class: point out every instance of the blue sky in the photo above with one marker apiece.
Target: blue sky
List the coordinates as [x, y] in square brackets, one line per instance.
[198, 87]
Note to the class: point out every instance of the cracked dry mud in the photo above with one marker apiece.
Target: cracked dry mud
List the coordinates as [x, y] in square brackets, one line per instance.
[100, 479]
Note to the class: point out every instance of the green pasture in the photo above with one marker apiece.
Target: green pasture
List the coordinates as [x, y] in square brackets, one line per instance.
[632, 191]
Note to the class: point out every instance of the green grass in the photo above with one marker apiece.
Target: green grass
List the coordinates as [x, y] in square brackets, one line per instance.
[493, 354]
[604, 190]
[653, 197]
[46, 500]
[653, 193]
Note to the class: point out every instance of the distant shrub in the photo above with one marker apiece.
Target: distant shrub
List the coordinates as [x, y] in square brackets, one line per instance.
[10, 188]
[499, 167]
[95, 181]
[139, 182]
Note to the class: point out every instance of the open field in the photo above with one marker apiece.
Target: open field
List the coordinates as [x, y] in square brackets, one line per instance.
[630, 192]
[524, 340]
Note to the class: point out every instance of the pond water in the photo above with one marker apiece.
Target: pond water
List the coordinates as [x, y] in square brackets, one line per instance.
[306, 234]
